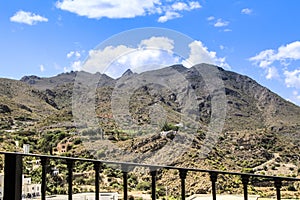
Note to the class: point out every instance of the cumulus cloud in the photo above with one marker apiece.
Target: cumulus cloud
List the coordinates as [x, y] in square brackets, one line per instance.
[272, 73]
[168, 16]
[149, 54]
[246, 11]
[210, 18]
[75, 66]
[155, 51]
[194, 5]
[100, 60]
[75, 54]
[142, 60]
[75, 62]
[221, 23]
[110, 9]
[178, 6]
[218, 23]
[292, 78]
[284, 54]
[200, 54]
[27, 18]
[158, 42]
[117, 9]
[283, 63]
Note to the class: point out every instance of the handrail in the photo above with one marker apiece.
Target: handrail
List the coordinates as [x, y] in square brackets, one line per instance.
[153, 166]
[13, 174]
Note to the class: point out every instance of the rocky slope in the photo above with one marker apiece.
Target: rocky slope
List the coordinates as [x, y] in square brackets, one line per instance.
[211, 118]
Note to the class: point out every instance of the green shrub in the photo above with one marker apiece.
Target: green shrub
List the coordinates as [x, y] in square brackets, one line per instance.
[169, 127]
[143, 186]
[291, 188]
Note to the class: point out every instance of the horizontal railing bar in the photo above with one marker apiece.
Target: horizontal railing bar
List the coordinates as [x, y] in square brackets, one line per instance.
[153, 166]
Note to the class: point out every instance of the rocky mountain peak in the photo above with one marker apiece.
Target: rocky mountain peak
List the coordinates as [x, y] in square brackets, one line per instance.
[128, 72]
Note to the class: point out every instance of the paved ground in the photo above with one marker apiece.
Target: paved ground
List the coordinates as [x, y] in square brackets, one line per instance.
[222, 197]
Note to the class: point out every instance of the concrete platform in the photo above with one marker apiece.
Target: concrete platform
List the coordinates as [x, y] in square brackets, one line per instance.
[221, 197]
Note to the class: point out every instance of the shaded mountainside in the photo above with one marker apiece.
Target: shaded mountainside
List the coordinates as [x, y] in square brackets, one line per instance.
[250, 107]
[20, 100]
[259, 134]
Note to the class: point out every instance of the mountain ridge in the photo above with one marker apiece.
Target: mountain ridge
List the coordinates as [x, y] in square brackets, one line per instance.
[260, 128]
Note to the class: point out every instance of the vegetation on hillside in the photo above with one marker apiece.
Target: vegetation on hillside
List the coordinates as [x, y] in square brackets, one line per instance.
[259, 135]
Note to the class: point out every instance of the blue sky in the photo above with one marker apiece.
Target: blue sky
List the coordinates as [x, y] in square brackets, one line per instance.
[260, 39]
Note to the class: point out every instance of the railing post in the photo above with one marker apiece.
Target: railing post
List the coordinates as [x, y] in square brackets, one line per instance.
[182, 175]
[13, 177]
[245, 181]
[125, 181]
[278, 184]
[153, 183]
[44, 174]
[213, 179]
[97, 177]
[70, 178]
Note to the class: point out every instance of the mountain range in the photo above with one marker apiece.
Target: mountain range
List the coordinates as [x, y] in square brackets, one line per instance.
[204, 117]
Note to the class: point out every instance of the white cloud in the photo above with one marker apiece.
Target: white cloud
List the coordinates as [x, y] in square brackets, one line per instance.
[76, 63]
[168, 16]
[159, 43]
[99, 60]
[27, 18]
[42, 68]
[149, 54]
[264, 58]
[184, 6]
[292, 78]
[70, 54]
[284, 54]
[180, 6]
[117, 9]
[194, 5]
[171, 12]
[246, 11]
[282, 57]
[227, 30]
[147, 59]
[75, 66]
[76, 54]
[290, 51]
[200, 54]
[210, 18]
[110, 9]
[272, 73]
[221, 23]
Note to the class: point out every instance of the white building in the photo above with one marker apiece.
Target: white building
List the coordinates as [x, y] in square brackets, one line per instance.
[28, 189]
[1, 186]
[26, 148]
[86, 196]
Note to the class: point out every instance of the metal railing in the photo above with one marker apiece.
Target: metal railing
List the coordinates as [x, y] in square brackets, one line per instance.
[13, 176]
